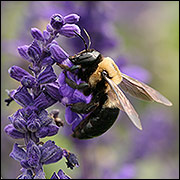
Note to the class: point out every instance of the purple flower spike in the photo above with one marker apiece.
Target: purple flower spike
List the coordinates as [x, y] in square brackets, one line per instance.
[58, 53]
[57, 21]
[72, 18]
[36, 33]
[68, 30]
[23, 52]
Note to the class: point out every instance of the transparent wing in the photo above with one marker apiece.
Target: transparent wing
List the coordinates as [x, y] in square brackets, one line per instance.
[142, 91]
[123, 103]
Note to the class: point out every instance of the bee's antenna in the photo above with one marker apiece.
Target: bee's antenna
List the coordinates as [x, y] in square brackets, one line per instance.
[82, 39]
[88, 38]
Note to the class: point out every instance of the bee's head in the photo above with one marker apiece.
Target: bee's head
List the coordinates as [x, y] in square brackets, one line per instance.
[87, 56]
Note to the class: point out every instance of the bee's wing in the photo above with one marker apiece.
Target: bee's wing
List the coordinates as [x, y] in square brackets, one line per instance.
[123, 103]
[142, 91]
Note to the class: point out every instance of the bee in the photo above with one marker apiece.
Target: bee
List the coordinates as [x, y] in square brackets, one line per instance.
[101, 78]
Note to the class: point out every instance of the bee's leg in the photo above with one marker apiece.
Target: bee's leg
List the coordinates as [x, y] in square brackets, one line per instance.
[74, 85]
[71, 69]
[83, 108]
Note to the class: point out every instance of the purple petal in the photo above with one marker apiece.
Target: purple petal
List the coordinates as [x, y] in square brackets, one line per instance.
[68, 30]
[44, 117]
[78, 97]
[54, 176]
[47, 75]
[62, 175]
[46, 35]
[18, 73]
[18, 153]
[70, 116]
[61, 79]
[52, 130]
[33, 154]
[71, 18]
[66, 91]
[43, 101]
[36, 33]
[23, 51]
[50, 153]
[53, 90]
[18, 121]
[14, 133]
[34, 50]
[42, 132]
[22, 97]
[24, 164]
[49, 28]
[58, 53]
[47, 61]
[33, 123]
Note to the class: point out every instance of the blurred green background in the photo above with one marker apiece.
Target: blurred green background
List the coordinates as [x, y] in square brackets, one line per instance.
[149, 38]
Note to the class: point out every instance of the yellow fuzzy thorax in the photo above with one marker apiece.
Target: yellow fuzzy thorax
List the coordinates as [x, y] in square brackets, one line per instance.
[110, 67]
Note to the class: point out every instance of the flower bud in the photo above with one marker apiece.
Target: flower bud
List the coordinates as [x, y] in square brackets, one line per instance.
[23, 52]
[58, 53]
[18, 73]
[34, 50]
[57, 21]
[46, 35]
[22, 97]
[68, 30]
[71, 18]
[18, 153]
[49, 28]
[14, 133]
[36, 33]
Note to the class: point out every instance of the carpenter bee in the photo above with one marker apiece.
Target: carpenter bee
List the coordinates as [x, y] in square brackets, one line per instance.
[101, 78]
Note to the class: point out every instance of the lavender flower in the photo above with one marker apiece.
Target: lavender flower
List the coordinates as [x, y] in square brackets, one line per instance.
[38, 91]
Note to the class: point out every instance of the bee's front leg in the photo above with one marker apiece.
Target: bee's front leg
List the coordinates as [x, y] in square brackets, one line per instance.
[67, 68]
[74, 85]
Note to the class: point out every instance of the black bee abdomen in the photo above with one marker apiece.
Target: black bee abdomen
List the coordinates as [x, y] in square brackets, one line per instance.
[96, 123]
